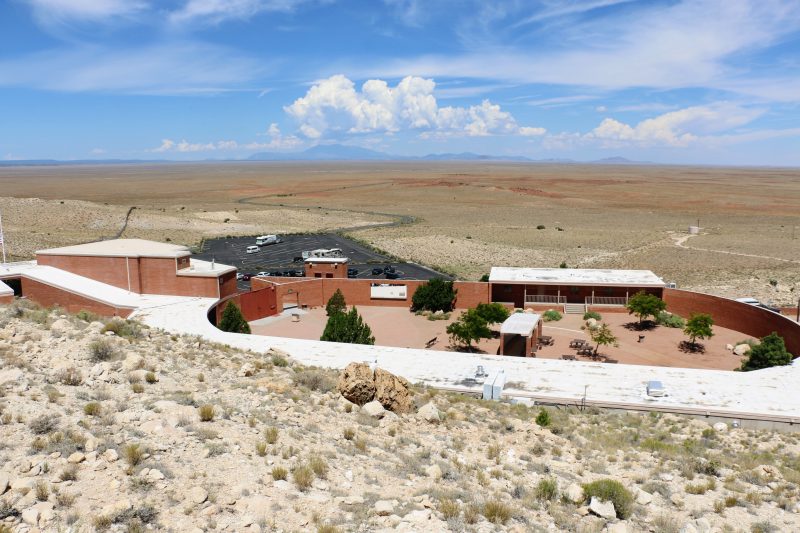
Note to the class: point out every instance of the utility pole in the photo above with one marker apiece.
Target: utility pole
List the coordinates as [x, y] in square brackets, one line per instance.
[2, 239]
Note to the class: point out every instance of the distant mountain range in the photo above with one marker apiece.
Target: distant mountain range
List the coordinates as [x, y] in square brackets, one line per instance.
[335, 152]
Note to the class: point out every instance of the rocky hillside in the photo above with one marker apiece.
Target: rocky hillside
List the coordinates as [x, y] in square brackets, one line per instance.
[114, 427]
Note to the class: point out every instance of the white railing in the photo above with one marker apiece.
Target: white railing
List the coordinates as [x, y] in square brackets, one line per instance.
[607, 300]
[544, 299]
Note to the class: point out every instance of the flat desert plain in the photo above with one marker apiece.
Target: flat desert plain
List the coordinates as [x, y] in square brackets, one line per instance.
[461, 217]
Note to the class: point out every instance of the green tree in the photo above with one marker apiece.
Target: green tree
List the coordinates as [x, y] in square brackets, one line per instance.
[469, 327]
[493, 313]
[336, 303]
[435, 295]
[771, 352]
[603, 336]
[232, 320]
[347, 327]
[698, 327]
[643, 305]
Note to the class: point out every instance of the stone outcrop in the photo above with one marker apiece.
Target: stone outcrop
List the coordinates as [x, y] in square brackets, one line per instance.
[360, 385]
[357, 383]
[393, 392]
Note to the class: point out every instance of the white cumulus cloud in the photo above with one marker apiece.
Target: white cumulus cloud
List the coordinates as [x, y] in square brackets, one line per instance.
[335, 105]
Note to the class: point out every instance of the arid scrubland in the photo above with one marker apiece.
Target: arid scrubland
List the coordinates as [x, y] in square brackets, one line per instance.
[110, 426]
[466, 216]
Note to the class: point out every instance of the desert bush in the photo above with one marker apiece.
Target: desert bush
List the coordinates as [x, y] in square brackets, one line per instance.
[133, 454]
[87, 316]
[70, 376]
[314, 379]
[303, 476]
[449, 508]
[348, 433]
[551, 315]
[261, 448]
[206, 412]
[546, 489]
[543, 418]
[69, 473]
[279, 473]
[471, 513]
[150, 377]
[44, 424]
[613, 491]
[271, 435]
[496, 512]
[138, 388]
[42, 491]
[102, 350]
[92, 408]
[128, 329]
[279, 361]
[319, 466]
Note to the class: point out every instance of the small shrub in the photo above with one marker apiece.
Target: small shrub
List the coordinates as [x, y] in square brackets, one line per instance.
[592, 314]
[315, 380]
[87, 316]
[496, 512]
[69, 473]
[102, 350]
[92, 409]
[303, 476]
[348, 433]
[613, 491]
[279, 473]
[669, 320]
[70, 376]
[319, 466]
[42, 491]
[449, 508]
[261, 448]
[133, 453]
[471, 513]
[543, 418]
[546, 489]
[551, 315]
[493, 452]
[138, 388]
[540, 226]
[280, 361]
[150, 377]
[44, 424]
[206, 412]
[271, 435]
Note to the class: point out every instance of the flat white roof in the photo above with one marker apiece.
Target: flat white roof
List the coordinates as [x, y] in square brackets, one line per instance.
[5, 290]
[327, 260]
[205, 269]
[520, 324]
[121, 248]
[575, 276]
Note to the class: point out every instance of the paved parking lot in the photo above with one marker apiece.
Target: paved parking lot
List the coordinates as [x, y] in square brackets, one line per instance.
[282, 256]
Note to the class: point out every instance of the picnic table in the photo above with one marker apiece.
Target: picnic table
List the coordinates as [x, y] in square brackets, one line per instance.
[586, 350]
[546, 340]
[568, 357]
[577, 343]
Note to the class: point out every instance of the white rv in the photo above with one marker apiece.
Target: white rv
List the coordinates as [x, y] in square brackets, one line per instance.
[267, 239]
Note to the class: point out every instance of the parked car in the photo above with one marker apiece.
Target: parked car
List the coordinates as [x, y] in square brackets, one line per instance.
[377, 271]
[297, 259]
[239, 276]
[276, 273]
[253, 249]
[388, 268]
[753, 301]
[352, 272]
[246, 276]
[392, 275]
[263, 274]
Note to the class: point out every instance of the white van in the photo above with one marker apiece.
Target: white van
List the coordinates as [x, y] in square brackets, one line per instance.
[253, 249]
[267, 239]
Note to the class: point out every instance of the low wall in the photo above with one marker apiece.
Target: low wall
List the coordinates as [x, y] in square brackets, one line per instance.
[49, 296]
[745, 318]
[254, 304]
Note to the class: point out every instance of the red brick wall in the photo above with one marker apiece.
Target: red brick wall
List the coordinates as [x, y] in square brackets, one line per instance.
[159, 276]
[321, 270]
[254, 304]
[7, 299]
[471, 293]
[737, 316]
[110, 270]
[49, 296]
[228, 285]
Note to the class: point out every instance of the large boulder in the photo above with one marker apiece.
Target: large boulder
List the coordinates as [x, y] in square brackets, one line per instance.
[393, 392]
[430, 413]
[357, 383]
[374, 409]
[741, 349]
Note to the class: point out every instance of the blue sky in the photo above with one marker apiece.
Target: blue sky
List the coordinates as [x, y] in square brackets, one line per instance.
[704, 81]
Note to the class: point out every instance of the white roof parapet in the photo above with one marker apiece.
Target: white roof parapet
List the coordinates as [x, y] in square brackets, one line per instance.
[576, 276]
[520, 324]
[5, 290]
[327, 260]
[121, 248]
[205, 269]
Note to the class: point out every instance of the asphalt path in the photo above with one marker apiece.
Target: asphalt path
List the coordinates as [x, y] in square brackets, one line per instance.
[281, 256]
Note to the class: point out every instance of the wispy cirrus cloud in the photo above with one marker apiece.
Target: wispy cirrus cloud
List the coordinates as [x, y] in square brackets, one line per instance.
[164, 68]
[89, 10]
[216, 11]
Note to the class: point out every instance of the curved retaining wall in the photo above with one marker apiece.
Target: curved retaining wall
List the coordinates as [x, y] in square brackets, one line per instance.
[727, 313]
